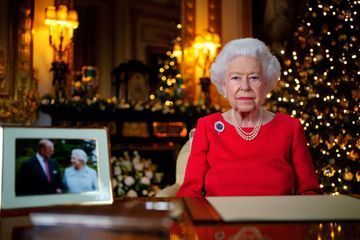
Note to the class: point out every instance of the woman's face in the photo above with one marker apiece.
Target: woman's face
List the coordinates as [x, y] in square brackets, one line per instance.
[77, 162]
[244, 84]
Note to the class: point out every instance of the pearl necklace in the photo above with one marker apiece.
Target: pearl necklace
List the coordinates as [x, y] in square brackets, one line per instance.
[248, 135]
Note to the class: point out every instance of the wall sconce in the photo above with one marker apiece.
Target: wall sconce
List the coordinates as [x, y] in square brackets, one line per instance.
[61, 22]
[205, 49]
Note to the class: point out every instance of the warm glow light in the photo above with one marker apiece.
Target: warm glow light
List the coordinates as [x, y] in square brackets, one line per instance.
[177, 52]
[50, 14]
[62, 23]
[205, 49]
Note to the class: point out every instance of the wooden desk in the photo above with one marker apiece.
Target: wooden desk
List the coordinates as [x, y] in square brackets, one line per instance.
[148, 218]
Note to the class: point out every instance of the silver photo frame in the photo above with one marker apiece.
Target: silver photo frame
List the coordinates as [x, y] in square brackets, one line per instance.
[19, 145]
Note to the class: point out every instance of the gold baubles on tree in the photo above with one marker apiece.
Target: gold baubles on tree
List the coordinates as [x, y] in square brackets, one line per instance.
[348, 175]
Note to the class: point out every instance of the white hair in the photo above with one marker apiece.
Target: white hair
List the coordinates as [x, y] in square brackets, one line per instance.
[250, 47]
[80, 154]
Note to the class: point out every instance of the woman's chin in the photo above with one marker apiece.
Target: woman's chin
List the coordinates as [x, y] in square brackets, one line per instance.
[246, 108]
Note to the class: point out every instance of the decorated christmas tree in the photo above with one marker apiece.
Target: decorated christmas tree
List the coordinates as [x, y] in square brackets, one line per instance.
[320, 86]
[171, 85]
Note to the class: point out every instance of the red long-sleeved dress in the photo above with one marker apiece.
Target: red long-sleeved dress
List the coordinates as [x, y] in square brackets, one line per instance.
[276, 162]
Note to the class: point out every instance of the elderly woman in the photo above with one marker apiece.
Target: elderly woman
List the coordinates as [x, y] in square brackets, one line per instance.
[79, 177]
[247, 150]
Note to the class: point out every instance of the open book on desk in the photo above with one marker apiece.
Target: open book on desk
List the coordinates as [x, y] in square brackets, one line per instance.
[276, 208]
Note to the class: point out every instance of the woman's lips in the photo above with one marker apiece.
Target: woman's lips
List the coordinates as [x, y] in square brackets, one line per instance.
[245, 98]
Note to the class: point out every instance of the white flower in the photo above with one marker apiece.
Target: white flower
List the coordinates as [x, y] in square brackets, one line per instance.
[131, 171]
[119, 178]
[129, 180]
[120, 191]
[136, 159]
[131, 193]
[149, 174]
[127, 165]
[117, 170]
[145, 180]
[139, 166]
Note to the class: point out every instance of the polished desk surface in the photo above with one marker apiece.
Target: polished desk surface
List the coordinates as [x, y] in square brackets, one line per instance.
[157, 218]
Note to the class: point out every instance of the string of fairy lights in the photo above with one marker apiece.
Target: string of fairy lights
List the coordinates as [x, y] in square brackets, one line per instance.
[321, 88]
[171, 87]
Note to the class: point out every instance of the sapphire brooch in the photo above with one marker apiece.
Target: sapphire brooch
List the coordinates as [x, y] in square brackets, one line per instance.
[219, 126]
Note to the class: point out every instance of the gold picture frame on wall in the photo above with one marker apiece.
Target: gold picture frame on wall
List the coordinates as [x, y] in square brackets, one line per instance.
[5, 50]
[16, 47]
[18, 87]
[29, 182]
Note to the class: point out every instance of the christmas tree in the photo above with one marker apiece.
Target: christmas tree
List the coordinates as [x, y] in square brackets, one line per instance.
[171, 86]
[320, 86]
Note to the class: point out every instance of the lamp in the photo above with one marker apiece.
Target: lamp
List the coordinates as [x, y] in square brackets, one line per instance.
[205, 48]
[61, 22]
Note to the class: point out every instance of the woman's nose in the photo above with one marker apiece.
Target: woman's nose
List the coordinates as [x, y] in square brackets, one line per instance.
[244, 83]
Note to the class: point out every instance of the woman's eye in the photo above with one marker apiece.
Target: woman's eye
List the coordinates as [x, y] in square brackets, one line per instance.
[234, 78]
[254, 78]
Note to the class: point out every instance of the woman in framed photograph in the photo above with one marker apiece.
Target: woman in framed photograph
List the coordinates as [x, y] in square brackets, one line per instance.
[80, 177]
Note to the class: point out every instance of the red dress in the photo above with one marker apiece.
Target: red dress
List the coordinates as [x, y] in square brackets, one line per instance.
[276, 162]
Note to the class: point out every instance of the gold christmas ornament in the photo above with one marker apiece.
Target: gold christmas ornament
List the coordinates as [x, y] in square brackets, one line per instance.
[288, 62]
[348, 175]
[328, 170]
[315, 140]
[358, 176]
[353, 155]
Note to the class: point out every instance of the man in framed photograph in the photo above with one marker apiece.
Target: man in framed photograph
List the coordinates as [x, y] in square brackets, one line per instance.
[40, 174]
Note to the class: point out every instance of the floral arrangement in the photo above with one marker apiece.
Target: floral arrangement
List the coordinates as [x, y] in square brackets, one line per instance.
[135, 176]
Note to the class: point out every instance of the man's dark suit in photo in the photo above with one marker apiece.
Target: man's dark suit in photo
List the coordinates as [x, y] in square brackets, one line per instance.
[32, 177]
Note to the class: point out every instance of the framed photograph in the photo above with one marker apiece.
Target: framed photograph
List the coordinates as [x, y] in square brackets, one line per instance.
[44, 166]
